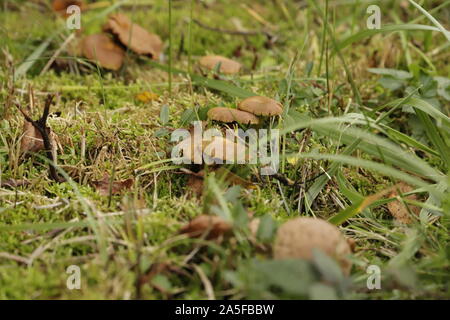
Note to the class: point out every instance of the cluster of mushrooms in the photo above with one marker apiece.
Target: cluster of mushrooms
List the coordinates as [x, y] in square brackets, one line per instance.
[109, 52]
[296, 238]
[248, 111]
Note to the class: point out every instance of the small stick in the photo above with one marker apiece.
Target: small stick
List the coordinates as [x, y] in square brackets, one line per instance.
[41, 126]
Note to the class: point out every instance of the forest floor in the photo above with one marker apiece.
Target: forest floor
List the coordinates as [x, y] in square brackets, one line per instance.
[366, 114]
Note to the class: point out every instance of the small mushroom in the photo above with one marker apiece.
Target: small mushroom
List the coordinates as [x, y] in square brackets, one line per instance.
[261, 106]
[134, 36]
[227, 66]
[298, 237]
[228, 115]
[100, 48]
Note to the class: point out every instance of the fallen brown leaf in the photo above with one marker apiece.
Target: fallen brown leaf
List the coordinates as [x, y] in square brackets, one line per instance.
[102, 186]
[397, 209]
[13, 183]
[212, 227]
[31, 140]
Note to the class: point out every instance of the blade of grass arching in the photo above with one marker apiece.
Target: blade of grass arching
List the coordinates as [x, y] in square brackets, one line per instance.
[31, 59]
[375, 166]
[357, 207]
[219, 85]
[371, 144]
[385, 29]
[401, 137]
[428, 109]
[432, 19]
[392, 154]
[347, 189]
[435, 137]
[320, 183]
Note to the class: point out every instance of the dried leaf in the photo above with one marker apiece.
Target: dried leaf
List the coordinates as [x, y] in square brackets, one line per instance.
[397, 209]
[13, 183]
[212, 227]
[31, 140]
[102, 186]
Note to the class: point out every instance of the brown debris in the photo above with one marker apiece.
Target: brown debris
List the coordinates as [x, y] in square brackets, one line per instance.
[397, 209]
[134, 36]
[212, 227]
[227, 66]
[101, 48]
[102, 186]
[31, 140]
[13, 183]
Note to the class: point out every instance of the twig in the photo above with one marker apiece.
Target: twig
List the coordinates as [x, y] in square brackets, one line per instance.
[41, 127]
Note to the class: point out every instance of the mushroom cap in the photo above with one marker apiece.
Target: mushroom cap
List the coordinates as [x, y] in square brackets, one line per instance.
[261, 106]
[231, 115]
[298, 237]
[61, 6]
[134, 36]
[100, 48]
[227, 66]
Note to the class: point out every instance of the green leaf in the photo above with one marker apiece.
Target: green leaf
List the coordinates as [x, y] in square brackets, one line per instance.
[386, 29]
[164, 114]
[267, 228]
[398, 74]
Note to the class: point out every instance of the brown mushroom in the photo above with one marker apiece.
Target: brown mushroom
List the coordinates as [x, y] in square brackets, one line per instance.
[100, 48]
[227, 66]
[261, 106]
[134, 36]
[228, 115]
[298, 237]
